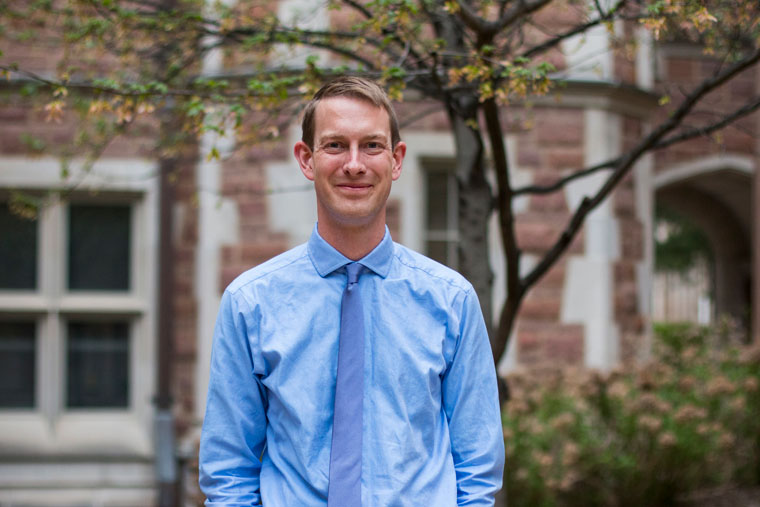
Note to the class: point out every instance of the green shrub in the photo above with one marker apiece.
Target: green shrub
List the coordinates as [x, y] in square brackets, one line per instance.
[637, 435]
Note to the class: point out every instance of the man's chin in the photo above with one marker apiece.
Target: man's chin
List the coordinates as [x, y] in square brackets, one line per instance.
[355, 218]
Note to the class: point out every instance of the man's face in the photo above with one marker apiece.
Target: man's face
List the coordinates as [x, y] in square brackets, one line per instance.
[352, 163]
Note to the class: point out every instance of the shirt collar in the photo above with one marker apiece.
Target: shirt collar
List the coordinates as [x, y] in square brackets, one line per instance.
[327, 259]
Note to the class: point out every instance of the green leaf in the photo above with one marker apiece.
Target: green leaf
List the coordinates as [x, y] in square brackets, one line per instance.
[160, 87]
[255, 40]
[33, 143]
[394, 73]
[29, 89]
[107, 83]
[546, 67]
[194, 107]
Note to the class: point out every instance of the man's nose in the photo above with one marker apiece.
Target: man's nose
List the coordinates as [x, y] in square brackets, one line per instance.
[354, 164]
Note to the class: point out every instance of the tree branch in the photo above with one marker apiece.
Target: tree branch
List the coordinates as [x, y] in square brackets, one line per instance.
[520, 10]
[557, 185]
[406, 45]
[89, 87]
[692, 132]
[314, 38]
[471, 18]
[515, 287]
[549, 44]
[359, 7]
[689, 133]
[626, 162]
[488, 29]
[504, 193]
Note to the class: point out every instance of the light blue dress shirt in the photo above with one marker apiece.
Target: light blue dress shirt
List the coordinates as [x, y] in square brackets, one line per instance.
[432, 433]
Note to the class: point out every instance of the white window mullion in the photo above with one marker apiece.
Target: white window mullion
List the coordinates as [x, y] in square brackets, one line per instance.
[48, 375]
[53, 253]
[137, 245]
[49, 252]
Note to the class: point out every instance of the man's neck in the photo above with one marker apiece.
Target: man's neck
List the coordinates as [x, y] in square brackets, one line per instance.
[353, 241]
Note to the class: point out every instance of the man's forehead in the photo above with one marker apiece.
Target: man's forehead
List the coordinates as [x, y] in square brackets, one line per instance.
[346, 99]
[331, 110]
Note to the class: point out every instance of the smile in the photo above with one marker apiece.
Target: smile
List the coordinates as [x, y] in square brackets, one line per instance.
[354, 187]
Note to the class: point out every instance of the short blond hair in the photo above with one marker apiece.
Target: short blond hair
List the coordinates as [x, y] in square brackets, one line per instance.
[354, 87]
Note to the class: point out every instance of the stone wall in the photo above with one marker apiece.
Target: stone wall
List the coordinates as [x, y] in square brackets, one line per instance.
[551, 147]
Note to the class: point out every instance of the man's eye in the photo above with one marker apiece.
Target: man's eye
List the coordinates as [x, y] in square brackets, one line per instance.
[375, 147]
[332, 146]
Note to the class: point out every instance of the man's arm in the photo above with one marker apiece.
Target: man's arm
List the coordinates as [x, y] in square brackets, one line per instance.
[471, 402]
[234, 429]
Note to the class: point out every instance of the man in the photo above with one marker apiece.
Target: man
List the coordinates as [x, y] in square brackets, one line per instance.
[302, 413]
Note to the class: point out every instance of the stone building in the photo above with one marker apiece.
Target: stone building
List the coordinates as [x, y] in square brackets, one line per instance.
[78, 301]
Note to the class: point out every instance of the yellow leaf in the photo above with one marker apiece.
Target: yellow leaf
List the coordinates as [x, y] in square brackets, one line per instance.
[213, 154]
[54, 111]
[145, 108]
[451, 7]
[99, 106]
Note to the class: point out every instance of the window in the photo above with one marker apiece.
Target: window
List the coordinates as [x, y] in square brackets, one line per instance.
[441, 233]
[18, 251]
[17, 366]
[96, 368]
[18, 271]
[99, 247]
[76, 319]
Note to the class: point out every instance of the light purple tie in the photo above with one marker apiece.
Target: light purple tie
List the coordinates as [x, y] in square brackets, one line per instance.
[346, 451]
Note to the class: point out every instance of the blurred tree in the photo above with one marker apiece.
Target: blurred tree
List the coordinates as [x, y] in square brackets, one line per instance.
[678, 242]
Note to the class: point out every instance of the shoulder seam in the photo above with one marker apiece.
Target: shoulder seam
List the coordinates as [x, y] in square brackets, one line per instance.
[467, 288]
[266, 273]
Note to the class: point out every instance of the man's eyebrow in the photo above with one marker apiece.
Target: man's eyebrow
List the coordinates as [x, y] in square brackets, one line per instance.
[338, 135]
[376, 136]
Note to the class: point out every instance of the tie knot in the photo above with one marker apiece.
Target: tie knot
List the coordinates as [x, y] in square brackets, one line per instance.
[353, 270]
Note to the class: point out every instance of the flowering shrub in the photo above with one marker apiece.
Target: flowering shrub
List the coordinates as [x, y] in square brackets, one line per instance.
[639, 435]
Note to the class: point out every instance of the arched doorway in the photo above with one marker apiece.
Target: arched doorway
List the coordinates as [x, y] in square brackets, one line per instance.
[715, 195]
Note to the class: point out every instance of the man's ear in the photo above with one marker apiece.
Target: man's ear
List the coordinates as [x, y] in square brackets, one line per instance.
[398, 158]
[305, 159]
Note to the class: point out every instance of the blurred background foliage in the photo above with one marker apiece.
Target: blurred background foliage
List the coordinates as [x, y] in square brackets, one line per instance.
[640, 435]
[679, 244]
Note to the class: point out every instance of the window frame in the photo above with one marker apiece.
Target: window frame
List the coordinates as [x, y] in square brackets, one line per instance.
[449, 235]
[50, 427]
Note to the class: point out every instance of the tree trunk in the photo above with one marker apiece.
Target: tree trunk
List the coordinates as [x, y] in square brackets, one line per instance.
[475, 199]
[474, 206]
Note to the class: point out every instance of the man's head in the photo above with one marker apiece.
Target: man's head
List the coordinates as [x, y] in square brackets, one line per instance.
[352, 87]
[351, 151]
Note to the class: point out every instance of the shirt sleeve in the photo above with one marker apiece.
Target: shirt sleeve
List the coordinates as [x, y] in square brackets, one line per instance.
[234, 428]
[471, 401]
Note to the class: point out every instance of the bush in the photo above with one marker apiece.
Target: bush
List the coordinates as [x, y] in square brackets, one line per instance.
[637, 435]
